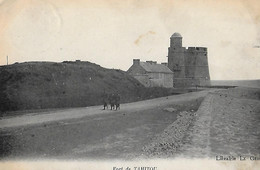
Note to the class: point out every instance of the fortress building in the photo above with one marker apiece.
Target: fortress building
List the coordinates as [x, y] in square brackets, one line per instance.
[189, 65]
[186, 67]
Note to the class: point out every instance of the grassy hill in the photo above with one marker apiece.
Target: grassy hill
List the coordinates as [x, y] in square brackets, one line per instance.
[41, 85]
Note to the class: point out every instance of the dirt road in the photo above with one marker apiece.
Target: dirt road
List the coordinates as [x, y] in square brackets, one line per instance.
[42, 117]
[91, 132]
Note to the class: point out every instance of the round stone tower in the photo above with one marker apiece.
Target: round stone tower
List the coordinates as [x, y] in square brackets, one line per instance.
[176, 56]
[176, 40]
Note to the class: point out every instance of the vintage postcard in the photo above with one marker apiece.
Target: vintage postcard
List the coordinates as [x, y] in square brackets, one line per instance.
[130, 85]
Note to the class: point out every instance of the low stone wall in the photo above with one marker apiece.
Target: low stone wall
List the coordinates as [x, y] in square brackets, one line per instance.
[167, 143]
[175, 141]
[190, 82]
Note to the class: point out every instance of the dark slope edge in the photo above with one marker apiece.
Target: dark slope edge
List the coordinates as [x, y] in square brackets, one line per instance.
[41, 85]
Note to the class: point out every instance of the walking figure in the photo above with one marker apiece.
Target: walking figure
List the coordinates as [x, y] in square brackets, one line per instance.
[111, 99]
[105, 101]
[117, 103]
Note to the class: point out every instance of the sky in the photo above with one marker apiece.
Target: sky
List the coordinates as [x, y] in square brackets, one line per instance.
[112, 33]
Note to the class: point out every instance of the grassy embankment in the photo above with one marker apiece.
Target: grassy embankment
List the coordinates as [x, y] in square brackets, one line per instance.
[44, 85]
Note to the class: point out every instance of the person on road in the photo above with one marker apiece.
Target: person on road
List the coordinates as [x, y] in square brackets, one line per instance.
[105, 101]
[117, 103]
[111, 99]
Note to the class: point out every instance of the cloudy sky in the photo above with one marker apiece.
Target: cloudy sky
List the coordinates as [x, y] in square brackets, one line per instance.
[112, 33]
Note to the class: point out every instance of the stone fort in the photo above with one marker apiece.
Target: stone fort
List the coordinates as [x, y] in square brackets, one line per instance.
[186, 67]
[189, 65]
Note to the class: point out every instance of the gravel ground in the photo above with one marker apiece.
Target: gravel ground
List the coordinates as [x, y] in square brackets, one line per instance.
[168, 143]
[226, 124]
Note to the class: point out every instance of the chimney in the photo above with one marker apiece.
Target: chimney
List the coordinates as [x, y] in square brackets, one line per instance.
[150, 62]
[136, 61]
[165, 64]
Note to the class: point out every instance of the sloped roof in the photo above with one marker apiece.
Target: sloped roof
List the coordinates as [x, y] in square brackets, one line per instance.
[155, 68]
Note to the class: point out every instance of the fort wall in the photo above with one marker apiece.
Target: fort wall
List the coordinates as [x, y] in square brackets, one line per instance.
[196, 63]
[176, 61]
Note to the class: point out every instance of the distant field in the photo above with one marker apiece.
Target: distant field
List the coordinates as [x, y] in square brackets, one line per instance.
[242, 83]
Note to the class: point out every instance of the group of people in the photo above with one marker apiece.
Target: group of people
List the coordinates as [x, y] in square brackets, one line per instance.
[113, 100]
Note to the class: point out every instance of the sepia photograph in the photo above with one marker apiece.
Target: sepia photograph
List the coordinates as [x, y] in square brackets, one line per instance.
[130, 85]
